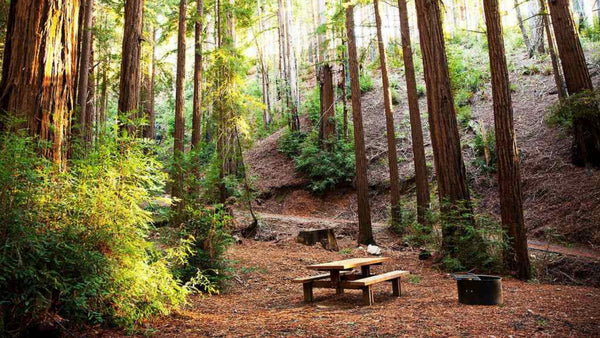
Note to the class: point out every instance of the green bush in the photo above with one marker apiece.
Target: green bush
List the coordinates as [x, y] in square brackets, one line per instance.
[581, 105]
[421, 90]
[290, 143]
[312, 105]
[75, 244]
[395, 97]
[326, 168]
[366, 82]
[464, 116]
[480, 143]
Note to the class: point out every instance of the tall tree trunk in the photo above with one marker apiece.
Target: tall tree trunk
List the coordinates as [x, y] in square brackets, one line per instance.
[523, 29]
[344, 89]
[90, 103]
[537, 28]
[450, 169]
[84, 67]
[557, 70]
[150, 129]
[292, 74]
[179, 146]
[327, 116]
[365, 232]
[415, 117]
[264, 68]
[197, 114]
[129, 85]
[509, 177]
[396, 211]
[586, 136]
[38, 79]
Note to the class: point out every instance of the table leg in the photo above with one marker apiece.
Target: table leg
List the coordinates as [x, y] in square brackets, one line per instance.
[308, 292]
[396, 287]
[365, 270]
[367, 295]
[335, 281]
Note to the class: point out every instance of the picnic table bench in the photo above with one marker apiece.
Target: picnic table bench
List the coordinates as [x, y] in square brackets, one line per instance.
[341, 275]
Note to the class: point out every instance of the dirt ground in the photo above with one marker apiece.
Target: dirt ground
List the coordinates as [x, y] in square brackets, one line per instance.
[262, 301]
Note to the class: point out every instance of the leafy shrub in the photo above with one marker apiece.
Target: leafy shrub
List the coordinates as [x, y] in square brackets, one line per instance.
[421, 90]
[366, 82]
[312, 105]
[482, 143]
[581, 105]
[326, 168]
[464, 116]
[290, 143]
[75, 244]
[395, 97]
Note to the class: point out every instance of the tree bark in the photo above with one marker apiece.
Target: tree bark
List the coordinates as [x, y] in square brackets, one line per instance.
[84, 67]
[38, 79]
[292, 74]
[558, 79]
[90, 102]
[365, 232]
[327, 116]
[178, 146]
[150, 129]
[416, 129]
[129, 85]
[197, 114]
[523, 29]
[396, 211]
[509, 177]
[586, 138]
[450, 169]
[577, 76]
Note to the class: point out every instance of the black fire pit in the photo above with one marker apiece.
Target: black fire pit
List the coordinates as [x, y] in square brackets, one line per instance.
[479, 289]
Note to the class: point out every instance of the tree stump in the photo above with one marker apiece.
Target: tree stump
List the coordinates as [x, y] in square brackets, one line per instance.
[324, 236]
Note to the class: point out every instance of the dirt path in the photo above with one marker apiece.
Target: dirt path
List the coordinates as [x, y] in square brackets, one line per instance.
[291, 224]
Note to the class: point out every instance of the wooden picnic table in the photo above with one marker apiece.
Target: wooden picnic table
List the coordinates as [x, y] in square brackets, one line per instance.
[341, 276]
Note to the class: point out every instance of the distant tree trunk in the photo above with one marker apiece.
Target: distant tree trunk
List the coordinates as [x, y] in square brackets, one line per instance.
[344, 89]
[90, 104]
[557, 70]
[396, 211]
[282, 86]
[327, 116]
[179, 147]
[450, 169]
[150, 130]
[292, 74]
[38, 79]
[365, 232]
[509, 177]
[586, 139]
[415, 117]
[197, 114]
[129, 85]
[523, 29]
[537, 28]
[84, 72]
[264, 69]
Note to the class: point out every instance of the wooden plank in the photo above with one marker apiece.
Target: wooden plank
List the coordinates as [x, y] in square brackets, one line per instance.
[317, 277]
[348, 263]
[374, 279]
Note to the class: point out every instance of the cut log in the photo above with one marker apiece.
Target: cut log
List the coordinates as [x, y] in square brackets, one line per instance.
[324, 236]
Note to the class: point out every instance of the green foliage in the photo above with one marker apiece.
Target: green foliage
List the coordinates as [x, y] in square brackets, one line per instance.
[421, 90]
[312, 105]
[395, 97]
[464, 116]
[76, 243]
[415, 234]
[326, 168]
[290, 143]
[366, 82]
[591, 32]
[204, 235]
[482, 143]
[581, 105]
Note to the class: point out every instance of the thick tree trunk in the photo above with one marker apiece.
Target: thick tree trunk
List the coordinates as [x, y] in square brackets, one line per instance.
[179, 146]
[264, 68]
[586, 139]
[365, 232]
[197, 114]
[556, 68]
[344, 89]
[509, 177]
[91, 102]
[84, 67]
[415, 117]
[523, 29]
[38, 80]
[396, 211]
[450, 169]
[327, 118]
[129, 85]
[537, 28]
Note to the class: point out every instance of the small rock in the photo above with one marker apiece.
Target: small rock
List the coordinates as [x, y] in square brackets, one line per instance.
[374, 250]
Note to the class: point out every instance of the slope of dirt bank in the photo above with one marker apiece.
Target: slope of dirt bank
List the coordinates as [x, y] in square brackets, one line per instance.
[262, 301]
[561, 201]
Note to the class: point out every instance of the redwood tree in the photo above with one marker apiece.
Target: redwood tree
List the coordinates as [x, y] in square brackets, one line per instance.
[365, 232]
[449, 166]
[178, 145]
[38, 83]
[129, 85]
[85, 120]
[327, 116]
[396, 211]
[415, 116]
[586, 130]
[509, 177]
[197, 114]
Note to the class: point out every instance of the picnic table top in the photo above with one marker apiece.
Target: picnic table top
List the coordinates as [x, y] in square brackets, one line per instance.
[348, 263]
